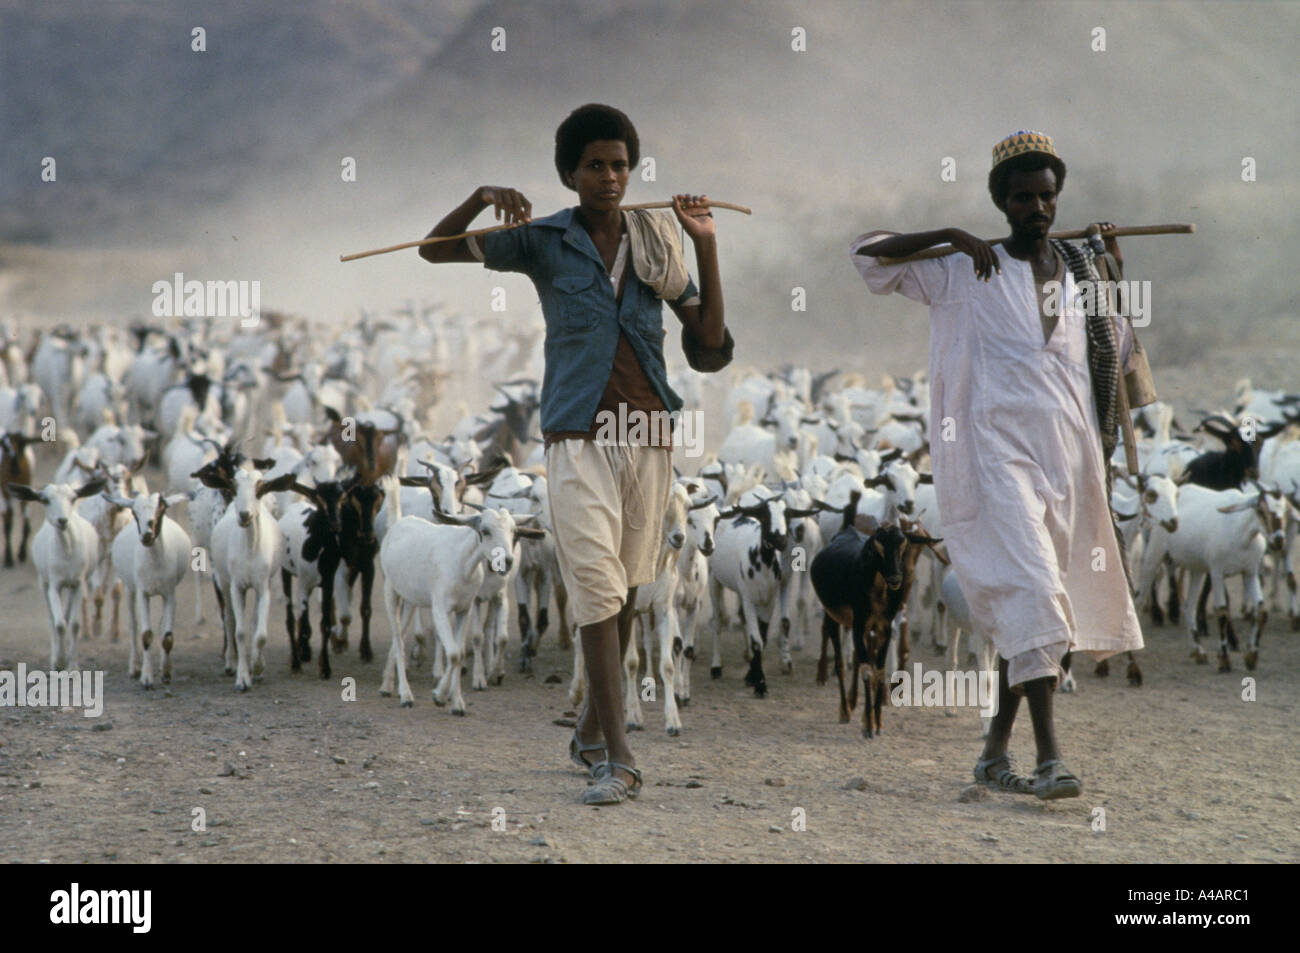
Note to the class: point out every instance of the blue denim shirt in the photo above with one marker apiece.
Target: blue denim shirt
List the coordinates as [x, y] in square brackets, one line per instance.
[583, 317]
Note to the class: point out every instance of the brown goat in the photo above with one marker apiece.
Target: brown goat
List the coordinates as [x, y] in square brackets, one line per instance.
[16, 464]
[370, 450]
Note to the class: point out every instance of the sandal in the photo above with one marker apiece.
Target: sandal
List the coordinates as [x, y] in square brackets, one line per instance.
[1053, 780]
[998, 773]
[610, 789]
[577, 749]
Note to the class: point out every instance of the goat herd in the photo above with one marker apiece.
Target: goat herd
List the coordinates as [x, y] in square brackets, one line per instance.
[815, 512]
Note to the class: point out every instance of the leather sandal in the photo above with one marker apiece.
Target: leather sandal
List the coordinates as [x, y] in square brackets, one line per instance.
[1053, 780]
[998, 773]
[608, 788]
[577, 749]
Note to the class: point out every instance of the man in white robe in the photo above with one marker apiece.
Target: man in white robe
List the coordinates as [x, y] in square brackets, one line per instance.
[1016, 449]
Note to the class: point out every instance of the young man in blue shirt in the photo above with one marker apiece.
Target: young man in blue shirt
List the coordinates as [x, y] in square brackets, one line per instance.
[602, 274]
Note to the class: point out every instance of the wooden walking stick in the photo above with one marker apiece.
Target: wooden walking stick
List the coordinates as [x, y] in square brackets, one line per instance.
[939, 251]
[501, 228]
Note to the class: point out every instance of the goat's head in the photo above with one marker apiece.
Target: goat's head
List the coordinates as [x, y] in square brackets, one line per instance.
[363, 503]
[59, 499]
[1271, 508]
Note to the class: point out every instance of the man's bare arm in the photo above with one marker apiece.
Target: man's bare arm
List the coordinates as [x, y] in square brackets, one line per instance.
[511, 209]
[981, 252]
[704, 320]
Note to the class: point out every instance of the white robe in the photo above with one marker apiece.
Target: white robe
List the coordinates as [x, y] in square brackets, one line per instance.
[1016, 455]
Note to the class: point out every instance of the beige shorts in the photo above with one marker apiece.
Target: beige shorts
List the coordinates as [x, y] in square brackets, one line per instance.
[1042, 662]
[607, 511]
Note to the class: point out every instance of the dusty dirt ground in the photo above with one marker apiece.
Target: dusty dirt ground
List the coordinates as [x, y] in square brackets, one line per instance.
[1185, 769]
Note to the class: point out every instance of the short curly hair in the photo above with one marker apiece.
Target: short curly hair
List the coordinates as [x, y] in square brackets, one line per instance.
[1026, 162]
[591, 123]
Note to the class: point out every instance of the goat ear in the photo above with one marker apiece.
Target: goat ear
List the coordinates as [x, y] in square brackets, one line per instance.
[212, 480]
[24, 492]
[91, 488]
[528, 532]
[1124, 517]
[333, 415]
[264, 463]
[925, 478]
[281, 483]
[412, 481]
[174, 499]
[1243, 505]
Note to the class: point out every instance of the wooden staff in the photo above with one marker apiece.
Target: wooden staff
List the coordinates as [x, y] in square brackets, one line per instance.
[501, 228]
[939, 251]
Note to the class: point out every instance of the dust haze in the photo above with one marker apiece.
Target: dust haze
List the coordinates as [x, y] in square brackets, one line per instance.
[226, 163]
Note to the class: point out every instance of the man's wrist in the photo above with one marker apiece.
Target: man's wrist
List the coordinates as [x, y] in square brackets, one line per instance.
[705, 243]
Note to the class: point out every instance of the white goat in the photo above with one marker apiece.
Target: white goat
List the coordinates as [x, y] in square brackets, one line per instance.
[150, 558]
[63, 552]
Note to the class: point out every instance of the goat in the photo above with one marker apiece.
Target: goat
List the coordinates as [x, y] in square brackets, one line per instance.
[1229, 468]
[17, 462]
[245, 553]
[359, 546]
[64, 550]
[1221, 533]
[692, 593]
[365, 446]
[311, 529]
[150, 558]
[859, 579]
[440, 567]
[747, 560]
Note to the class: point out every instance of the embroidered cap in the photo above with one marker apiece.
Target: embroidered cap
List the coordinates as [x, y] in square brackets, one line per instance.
[1021, 142]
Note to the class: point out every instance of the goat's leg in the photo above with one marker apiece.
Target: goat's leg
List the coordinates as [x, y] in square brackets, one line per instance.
[716, 594]
[54, 610]
[393, 611]
[27, 532]
[76, 603]
[1173, 576]
[286, 584]
[954, 649]
[1252, 595]
[783, 643]
[477, 635]
[198, 597]
[445, 690]
[115, 631]
[133, 661]
[227, 626]
[262, 603]
[684, 652]
[9, 525]
[1220, 586]
[631, 690]
[527, 637]
[168, 636]
[341, 598]
[399, 617]
[500, 638]
[367, 587]
[330, 572]
[99, 591]
[243, 673]
[146, 638]
[831, 634]
[1193, 631]
[457, 699]
[757, 631]
[670, 649]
